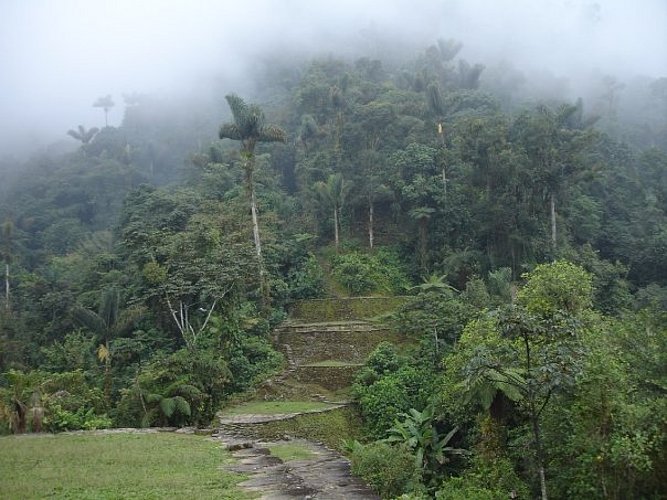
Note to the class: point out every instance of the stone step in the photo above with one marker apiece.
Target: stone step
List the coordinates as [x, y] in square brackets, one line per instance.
[350, 308]
[326, 474]
[329, 327]
[239, 421]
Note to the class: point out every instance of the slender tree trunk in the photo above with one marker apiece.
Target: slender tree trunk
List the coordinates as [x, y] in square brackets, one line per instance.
[336, 227]
[552, 206]
[107, 377]
[535, 423]
[370, 223]
[7, 285]
[422, 242]
[250, 186]
[539, 452]
[255, 223]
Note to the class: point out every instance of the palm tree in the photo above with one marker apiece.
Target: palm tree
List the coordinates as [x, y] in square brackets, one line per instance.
[249, 127]
[422, 216]
[105, 103]
[107, 323]
[83, 135]
[332, 193]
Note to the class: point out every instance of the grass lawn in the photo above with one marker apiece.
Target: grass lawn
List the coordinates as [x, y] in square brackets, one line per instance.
[115, 466]
[270, 407]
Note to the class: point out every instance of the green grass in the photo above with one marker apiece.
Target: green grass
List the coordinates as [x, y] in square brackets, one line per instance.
[329, 428]
[115, 466]
[291, 451]
[271, 407]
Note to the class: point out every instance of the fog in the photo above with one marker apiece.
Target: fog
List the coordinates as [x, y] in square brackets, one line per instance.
[58, 57]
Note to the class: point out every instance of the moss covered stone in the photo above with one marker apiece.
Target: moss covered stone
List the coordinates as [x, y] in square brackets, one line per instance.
[342, 309]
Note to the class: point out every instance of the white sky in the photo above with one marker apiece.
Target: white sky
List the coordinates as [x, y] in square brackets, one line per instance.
[58, 56]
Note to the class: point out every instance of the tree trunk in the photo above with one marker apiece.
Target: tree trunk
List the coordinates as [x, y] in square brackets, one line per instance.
[422, 242]
[552, 206]
[255, 224]
[7, 285]
[336, 227]
[249, 167]
[535, 423]
[539, 453]
[370, 224]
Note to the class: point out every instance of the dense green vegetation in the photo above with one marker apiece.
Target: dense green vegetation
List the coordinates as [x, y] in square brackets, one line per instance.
[144, 272]
[144, 466]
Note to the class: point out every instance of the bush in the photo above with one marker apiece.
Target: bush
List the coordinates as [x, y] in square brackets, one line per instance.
[250, 361]
[390, 470]
[486, 480]
[36, 401]
[457, 488]
[307, 280]
[59, 419]
[183, 388]
[383, 360]
[362, 273]
[391, 395]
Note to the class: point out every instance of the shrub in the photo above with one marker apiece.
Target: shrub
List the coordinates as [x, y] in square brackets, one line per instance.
[486, 480]
[389, 470]
[251, 360]
[59, 419]
[362, 273]
[391, 395]
[183, 388]
[307, 280]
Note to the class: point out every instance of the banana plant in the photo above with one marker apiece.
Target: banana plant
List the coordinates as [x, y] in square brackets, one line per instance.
[418, 431]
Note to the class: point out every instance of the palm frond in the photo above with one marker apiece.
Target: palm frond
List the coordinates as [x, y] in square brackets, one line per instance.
[181, 406]
[90, 320]
[272, 133]
[230, 131]
[76, 135]
[109, 304]
[154, 398]
[103, 353]
[238, 106]
[127, 319]
[168, 406]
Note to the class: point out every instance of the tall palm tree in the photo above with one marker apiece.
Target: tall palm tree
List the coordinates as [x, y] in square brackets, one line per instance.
[249, 127]
[332, 193]
[106, 103]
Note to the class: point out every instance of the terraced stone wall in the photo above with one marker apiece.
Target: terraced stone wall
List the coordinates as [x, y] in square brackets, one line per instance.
[343, 309]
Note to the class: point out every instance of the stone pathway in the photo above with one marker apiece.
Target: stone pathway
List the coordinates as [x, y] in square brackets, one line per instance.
[324, 476]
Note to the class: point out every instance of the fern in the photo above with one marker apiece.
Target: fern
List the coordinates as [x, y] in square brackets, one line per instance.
[168, 406]
[181, 405]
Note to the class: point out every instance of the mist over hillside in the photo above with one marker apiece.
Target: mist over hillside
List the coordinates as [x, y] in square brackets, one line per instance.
[57, 58]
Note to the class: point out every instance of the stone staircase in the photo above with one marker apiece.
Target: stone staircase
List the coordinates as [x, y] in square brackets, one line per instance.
[324, 342]
[329, 353]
